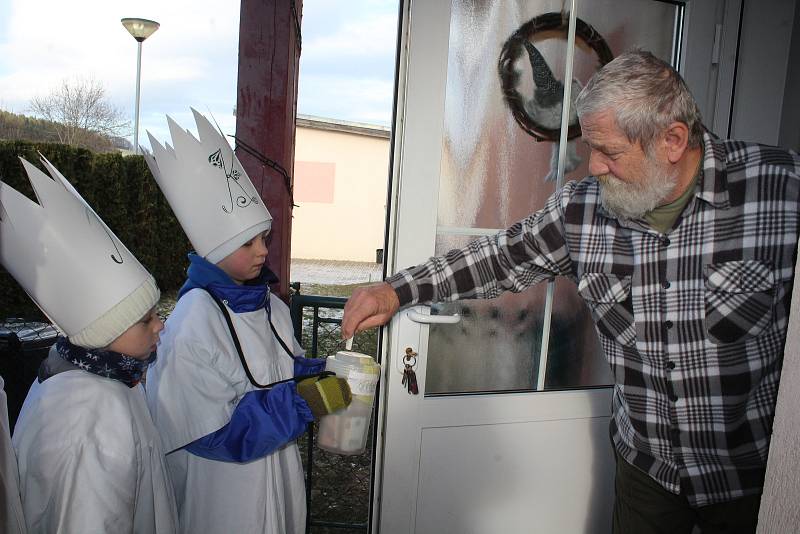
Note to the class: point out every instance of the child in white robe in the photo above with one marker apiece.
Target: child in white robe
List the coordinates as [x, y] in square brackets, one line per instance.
[89, 458]
[11, 519]
[230, 440]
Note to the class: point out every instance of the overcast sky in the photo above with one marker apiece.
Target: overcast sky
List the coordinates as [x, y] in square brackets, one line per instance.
[346, 65]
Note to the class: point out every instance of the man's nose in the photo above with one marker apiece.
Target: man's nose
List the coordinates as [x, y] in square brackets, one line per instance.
[597, 165]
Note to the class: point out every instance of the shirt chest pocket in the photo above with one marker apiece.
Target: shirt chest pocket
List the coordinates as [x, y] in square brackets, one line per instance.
[609, 298]
[739, 299]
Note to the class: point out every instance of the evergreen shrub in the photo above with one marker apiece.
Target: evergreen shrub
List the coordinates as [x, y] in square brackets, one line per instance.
[122, 191]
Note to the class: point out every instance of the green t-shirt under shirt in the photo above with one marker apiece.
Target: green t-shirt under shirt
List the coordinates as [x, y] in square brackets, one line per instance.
[663, 217]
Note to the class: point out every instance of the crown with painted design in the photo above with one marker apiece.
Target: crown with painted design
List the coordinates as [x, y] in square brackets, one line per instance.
[69, 262]
[208, 189]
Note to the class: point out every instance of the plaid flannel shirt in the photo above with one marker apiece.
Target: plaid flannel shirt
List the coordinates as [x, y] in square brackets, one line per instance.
[692, 322]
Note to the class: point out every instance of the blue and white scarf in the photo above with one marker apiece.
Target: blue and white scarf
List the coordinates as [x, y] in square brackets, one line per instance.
[105, 363]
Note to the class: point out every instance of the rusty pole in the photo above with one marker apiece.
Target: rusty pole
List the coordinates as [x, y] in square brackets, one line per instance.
[266, 108]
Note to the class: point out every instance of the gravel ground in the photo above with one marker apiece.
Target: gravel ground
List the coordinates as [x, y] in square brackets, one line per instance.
[334, 272]
[339, 489]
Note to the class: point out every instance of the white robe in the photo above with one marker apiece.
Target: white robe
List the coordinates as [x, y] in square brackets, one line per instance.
[192, 391]
[90, 460]
[11, 519]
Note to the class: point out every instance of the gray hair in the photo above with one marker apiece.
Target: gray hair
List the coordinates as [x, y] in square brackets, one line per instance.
[645, 95]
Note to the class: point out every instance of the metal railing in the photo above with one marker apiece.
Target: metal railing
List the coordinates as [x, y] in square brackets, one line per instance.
[337, 487]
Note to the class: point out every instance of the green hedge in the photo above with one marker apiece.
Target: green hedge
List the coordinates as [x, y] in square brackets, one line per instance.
[125, 195]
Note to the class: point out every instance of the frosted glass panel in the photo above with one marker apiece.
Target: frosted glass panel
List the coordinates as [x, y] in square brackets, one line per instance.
[497, 344]
[575, 357]
[493, 174]
[495, 347]
[492, 171]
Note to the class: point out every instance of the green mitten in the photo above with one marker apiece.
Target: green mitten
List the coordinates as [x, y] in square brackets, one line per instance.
[326, 395]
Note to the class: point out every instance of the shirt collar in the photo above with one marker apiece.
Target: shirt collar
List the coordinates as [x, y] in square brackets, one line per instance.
[714, 182]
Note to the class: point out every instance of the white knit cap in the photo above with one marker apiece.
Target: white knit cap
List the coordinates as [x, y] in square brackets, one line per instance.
[71, 264]
[109, 326]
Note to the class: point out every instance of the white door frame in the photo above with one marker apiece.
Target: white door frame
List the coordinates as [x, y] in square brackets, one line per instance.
[421, 81]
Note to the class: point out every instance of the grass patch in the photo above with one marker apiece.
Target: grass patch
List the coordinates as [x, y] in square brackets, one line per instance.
[330, 290]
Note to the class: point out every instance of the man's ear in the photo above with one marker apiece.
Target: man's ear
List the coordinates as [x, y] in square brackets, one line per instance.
[676, 140]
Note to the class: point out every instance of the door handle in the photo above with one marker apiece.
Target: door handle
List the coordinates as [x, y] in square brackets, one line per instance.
[426, 318]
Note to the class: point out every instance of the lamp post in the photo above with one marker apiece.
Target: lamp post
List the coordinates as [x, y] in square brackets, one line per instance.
[141, 29]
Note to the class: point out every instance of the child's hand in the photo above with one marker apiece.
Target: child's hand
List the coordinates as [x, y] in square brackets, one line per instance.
[308, 366]
[325, 395]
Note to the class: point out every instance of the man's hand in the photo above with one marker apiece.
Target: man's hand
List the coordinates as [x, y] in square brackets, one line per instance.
[368, 307]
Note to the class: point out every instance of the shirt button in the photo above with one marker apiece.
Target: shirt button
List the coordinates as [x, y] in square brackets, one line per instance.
[673, 397]
[665, 285]
[665, 241]
[670, 366]
[668, 324]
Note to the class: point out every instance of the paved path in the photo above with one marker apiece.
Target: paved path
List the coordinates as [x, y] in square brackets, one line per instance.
[334, 272]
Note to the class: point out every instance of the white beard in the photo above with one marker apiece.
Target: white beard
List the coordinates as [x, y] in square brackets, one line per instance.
[633, 200]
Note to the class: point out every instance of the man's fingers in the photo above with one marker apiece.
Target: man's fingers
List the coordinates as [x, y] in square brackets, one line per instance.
[349, 324]
[370, 306]
[355, 311]
[373, 321]
[359, 319]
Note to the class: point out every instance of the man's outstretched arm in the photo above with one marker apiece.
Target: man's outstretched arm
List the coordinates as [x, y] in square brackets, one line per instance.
[527, 253]
[368, 307]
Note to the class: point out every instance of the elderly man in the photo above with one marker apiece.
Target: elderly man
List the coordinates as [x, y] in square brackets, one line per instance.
[683, 247]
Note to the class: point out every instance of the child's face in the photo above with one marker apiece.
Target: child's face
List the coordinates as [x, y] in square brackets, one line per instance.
[141, 338]
[245, 262]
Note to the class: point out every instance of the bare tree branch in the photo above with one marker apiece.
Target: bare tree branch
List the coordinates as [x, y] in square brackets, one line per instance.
[80, 108]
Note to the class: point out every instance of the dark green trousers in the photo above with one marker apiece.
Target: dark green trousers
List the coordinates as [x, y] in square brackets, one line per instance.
[642, 506]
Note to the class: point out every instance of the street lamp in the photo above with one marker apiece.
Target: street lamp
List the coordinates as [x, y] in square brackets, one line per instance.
[141, 29]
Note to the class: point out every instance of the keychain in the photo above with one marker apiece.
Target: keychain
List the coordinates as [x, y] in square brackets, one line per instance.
[409, 376]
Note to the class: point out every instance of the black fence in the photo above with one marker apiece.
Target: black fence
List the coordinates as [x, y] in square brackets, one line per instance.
[337, 487]
[23, 346]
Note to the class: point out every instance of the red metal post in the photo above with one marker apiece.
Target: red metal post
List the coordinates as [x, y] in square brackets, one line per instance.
[266, 107]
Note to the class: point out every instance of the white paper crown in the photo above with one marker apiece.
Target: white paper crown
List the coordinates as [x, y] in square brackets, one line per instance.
[69, 262]
[208, 189]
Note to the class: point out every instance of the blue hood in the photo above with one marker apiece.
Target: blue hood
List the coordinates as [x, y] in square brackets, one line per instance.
[251, 296]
